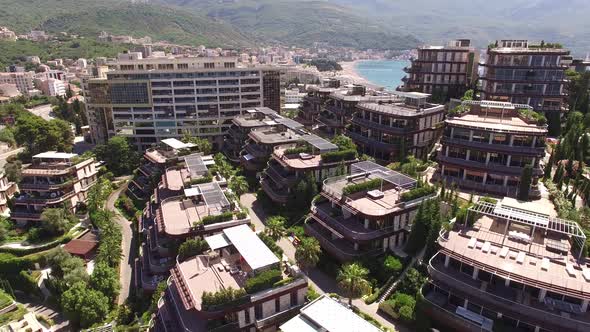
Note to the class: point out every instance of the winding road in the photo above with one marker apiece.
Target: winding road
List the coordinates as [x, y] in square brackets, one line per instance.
[128, 242]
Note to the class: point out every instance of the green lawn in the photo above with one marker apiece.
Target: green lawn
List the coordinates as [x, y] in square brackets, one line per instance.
[5, 299]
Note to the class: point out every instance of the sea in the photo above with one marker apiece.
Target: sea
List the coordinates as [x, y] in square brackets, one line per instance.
[385, 73]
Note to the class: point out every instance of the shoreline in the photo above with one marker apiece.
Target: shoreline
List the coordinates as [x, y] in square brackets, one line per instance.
[349, 74]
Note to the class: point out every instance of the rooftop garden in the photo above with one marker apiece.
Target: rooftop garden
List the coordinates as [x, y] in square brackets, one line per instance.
[418, 192]
[212, 301]
[364, 186]
[340, 155]
[532, 116]
[299, 148]
[225, 216]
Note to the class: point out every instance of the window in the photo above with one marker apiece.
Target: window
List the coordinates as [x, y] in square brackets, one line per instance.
[209, 65]
[229, 65]
[294, 299]
[278, 304]
[258, 311]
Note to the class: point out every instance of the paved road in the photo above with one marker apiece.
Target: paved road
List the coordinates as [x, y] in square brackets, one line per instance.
[44, 111]
[322, 282]
[128, 257]
[6, 155]
[33, 305]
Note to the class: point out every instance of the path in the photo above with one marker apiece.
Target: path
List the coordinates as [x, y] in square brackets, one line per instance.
[8, 154]
[20, 245]
[33, 305]
[320, 281]
[44, 111]
[128, 255]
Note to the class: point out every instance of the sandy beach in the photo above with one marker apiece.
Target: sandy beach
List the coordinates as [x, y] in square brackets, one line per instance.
[349, 74]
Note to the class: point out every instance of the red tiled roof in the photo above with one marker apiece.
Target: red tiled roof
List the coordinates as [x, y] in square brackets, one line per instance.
[80, 247]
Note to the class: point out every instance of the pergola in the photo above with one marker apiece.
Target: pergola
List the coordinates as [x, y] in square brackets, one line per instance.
[529, 218]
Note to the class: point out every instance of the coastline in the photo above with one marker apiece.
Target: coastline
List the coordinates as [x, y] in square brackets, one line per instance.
[350, 75]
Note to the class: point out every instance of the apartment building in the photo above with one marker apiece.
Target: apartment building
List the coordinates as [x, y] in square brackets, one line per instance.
[237, 135]
[521, 72]
[51, 87]
[443, 71]
[150, 99]
[404, 126]
[311, 157]
[313, 104]
[355, 220]
[22, 80]
[486, 147]
[238, 260]
[514, 269]
[54, 179]
[7, 190]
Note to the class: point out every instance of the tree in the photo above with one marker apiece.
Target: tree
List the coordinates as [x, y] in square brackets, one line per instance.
[275, 227]
[66, 269]
[57, 221]
[392, 265]
[105, 279]
[192, 247]
[558, 176]
[38, 135]
[203, 145]
[308, 252]
[411, 283]
[98, 194]
[352, 279]
[432, 239]
[83, 305]
[119, 155]
[420, 228]
[525, 183]
[238, 185]
[548, 167]
[13, 170]
[344, 142]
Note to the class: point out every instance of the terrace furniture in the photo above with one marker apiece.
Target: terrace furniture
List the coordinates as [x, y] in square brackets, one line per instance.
[471, 243]
[545, 264]
[504, 252]
[234, 270]
[570, 269]
[520, 257]
[519, 236]
[556, 246]
[486, 247]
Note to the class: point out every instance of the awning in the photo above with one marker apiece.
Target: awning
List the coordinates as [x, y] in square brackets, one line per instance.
[191, 192]
[217, 241]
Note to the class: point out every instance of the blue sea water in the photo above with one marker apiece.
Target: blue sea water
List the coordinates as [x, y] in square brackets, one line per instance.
[385, 73]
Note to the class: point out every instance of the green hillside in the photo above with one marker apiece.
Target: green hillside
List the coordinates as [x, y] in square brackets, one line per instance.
[88, 18]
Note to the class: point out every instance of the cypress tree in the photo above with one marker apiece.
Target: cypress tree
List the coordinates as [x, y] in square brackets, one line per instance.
[525, 183]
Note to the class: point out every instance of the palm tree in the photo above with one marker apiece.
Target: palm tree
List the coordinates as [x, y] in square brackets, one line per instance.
[239, 185]
[308, 252]
[275, 227]
[352, 278]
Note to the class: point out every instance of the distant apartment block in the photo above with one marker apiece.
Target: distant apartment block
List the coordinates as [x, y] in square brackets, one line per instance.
[239, 130]
[521, 72]
[515, 269]
[486, 147]
[54, 179]
[350, 223]
[443, 71]
[7, 190]
[22, 80]
[237, 260]
[150, 99]
[51, 87]
[406, 125]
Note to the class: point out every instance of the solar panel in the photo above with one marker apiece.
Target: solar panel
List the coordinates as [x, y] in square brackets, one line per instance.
[291, 124]
[397, 179]
[320, 143]
[195, 165]
[213, 195]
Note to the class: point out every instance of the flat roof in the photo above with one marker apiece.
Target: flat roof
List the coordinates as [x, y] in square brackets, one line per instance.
[327, 314]
[400, 109]
[195, 165]
[176, 144]
[250, 247]
[320, 143]
[217, 241]
[503, 124]
[55, 155]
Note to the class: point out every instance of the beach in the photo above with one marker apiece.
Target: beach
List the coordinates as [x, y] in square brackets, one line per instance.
[350, 75]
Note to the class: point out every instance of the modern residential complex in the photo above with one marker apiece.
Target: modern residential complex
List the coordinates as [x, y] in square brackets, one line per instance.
[53, 179]
[237, 264]
[7, 190]
[365, 213]
[189, 201]
[319, 316]
[443, 71]
[388, 130]
[22, 80]
[237, 135]
[51, 87]
[520, 72]
[515, 269]
[149, 99]
[312, 157]
[487, 144]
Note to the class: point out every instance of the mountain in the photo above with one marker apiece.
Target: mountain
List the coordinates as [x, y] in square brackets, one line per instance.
[89, 17]
[293, 22]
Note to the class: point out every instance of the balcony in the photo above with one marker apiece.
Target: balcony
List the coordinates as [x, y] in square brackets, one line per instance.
[537, 151]
[502, 299]
[371, 124]
[330, 122]
[45, 186]
[277, 195]
[470, 164]
[339, 248]
[256, 150]
[371, 142]
[48, 200]
[349, 228]
[279, 177]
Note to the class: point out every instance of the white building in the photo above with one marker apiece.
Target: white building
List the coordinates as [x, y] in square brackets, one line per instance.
[22, 80]
[51, 87]
[82, 63]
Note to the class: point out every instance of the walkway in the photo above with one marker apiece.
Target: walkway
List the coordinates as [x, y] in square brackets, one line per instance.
[320, 281]
[128, 255]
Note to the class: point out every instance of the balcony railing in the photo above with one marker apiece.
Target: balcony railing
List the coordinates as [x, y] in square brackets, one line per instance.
[278, 177]
[342, 252]
[372, 142]
[509, 170]
[389, 129]
[474, 289]
[524, 150]
[273, 193]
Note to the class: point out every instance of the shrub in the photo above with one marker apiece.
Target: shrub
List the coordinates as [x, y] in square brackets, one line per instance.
[373, 297]
[205, 179]
[365, 186]
[297, 150]
[417, 193]
[335, 156]
[222, 298]
[531, 115]
[192, 247]
[262, 281]
[226, 216]
[242, 215]
[271, 244]
[311, 294]
[488, 200]
[406, 314]
[392, 265]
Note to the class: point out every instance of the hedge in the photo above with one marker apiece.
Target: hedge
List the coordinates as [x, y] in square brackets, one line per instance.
[365, 186]
[27, 251]
[223, 298]
[417, 193]
[226, 216]
[263, 280]
[298, 150]
[205, 179]
[271, 244]
[335, 156]
[533, 116]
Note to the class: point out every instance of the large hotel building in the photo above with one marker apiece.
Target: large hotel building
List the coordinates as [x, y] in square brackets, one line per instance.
[149, 99]
[443, 70]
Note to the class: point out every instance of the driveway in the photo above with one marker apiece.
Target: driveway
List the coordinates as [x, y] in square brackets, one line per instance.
[44, 111]
[320, 281]
[129, 241]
